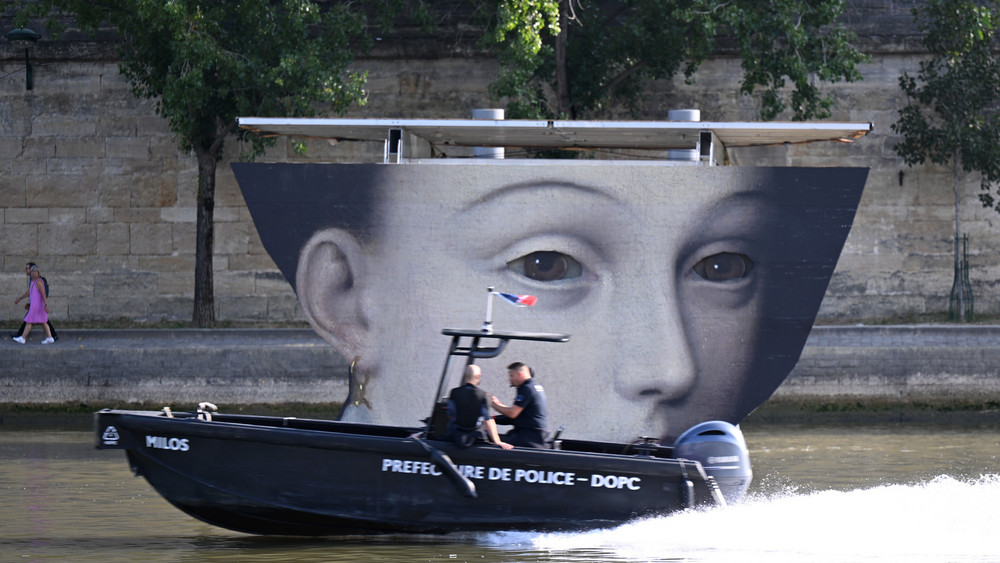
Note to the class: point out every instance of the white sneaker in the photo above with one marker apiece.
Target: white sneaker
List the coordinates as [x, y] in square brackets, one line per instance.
[48, 340]
[19, 339]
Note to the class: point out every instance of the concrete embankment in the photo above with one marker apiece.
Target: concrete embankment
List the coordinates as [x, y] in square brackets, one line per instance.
[228, 366]
[842, 369]
[887, 373]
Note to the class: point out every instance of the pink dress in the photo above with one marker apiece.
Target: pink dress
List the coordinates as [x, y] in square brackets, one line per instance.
[36, 312]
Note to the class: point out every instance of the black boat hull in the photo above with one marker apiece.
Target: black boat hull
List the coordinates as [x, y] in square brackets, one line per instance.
[270, 475]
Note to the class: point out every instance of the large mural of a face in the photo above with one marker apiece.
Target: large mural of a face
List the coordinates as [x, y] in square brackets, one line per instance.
[688, 291]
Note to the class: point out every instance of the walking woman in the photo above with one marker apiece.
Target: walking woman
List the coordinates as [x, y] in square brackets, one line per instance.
[27, 272]
[38, 310]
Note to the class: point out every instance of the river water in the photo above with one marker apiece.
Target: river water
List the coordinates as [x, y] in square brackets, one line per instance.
[885, 493]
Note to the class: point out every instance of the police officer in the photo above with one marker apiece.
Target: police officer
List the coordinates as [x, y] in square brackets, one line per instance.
[468, 413]
[529, 411]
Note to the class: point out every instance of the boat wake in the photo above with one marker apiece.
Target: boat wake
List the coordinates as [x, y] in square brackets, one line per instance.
[944, 519]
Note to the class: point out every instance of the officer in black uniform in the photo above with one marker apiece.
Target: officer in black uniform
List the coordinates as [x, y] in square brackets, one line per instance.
[529, 411]
[468, 413]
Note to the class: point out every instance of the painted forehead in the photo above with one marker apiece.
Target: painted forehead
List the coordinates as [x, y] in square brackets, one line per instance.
[435, 202]
[290, 202]
[462, 188]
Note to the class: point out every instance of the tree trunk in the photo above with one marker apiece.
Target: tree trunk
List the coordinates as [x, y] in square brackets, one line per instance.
[562, 78]
[956, 188]
[204, 291]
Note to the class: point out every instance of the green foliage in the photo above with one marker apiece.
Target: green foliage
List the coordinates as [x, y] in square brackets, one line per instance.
[613, 47]
[518, 31]
[206, 63]
[526, 20]
[951, 115]
[794, 39]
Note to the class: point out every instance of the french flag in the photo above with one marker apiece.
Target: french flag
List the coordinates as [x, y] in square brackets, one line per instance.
[519, 300]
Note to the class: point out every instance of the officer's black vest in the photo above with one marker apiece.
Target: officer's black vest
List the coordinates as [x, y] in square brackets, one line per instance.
[468, 401]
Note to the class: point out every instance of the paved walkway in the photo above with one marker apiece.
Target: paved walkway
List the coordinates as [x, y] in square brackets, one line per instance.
[186, 365]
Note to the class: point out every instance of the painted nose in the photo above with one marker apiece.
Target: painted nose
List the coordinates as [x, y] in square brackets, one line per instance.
[656, 359]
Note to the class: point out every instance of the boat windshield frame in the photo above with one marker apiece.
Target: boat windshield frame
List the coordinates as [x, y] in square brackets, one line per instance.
[476, 349]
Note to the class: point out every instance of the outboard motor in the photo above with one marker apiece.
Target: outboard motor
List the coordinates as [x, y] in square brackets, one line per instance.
[722, 452]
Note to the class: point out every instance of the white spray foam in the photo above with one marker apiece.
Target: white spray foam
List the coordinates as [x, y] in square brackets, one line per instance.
[944, 520]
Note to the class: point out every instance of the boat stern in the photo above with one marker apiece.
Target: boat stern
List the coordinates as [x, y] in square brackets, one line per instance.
[722, 451]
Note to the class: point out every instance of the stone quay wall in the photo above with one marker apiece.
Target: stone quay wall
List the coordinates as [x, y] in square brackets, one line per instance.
[94, 189]
[865, 373]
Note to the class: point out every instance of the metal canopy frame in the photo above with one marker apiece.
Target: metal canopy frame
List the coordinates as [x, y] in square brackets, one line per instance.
[705, 137]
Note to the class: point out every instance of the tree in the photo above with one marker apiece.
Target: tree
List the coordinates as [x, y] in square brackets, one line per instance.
[570, 58]
[951, 116]
[206, 63]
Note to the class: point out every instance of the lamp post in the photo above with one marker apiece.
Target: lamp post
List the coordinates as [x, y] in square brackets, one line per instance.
[23, 37]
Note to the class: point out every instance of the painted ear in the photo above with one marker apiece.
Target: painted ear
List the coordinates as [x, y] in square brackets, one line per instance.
[330, 286]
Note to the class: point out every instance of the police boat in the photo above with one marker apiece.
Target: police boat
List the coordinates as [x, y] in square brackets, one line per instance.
[306, 477]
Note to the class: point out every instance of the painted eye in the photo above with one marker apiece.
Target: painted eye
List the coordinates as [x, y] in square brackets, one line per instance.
[546, 265]
[724, 266]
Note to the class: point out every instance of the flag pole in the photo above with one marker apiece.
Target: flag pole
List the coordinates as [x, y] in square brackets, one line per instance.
[488, 325]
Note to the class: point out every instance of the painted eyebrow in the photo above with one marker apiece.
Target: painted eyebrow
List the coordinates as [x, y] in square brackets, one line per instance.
[734, 205]
[512, 189]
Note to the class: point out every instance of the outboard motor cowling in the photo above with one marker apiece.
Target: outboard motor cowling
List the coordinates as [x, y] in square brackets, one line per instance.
[722, 452]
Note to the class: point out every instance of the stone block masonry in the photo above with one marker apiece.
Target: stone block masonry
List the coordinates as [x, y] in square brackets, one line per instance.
[932, 363]
[95, 190]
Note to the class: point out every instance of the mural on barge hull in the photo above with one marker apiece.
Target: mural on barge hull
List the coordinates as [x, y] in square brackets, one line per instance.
[689, 291]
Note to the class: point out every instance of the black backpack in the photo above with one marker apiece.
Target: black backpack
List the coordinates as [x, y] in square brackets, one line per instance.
[46, 282]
